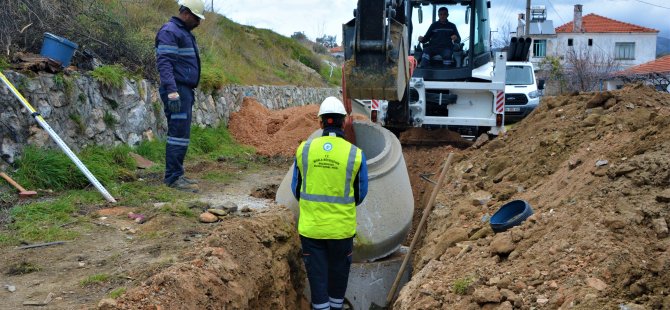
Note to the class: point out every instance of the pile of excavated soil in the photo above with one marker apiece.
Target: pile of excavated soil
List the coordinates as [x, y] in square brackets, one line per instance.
[244, 263]
[273, 132]
[595, 168]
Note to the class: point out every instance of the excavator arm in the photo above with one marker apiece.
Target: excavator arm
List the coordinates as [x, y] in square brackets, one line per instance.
[376, 47]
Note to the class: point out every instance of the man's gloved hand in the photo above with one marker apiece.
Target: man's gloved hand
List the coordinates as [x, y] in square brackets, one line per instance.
[174, 103]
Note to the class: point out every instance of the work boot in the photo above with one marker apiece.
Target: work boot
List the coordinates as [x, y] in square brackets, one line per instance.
[183, 185]
[189, 180]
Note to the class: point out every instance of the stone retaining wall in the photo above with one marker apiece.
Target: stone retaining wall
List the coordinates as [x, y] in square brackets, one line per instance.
[83, 112]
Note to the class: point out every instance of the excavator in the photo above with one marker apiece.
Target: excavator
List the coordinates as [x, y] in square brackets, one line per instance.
[464, 94]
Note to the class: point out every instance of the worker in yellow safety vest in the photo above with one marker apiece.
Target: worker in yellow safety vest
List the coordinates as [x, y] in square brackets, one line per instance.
[330, 179]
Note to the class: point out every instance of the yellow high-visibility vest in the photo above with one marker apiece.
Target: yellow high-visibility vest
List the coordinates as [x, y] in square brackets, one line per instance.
[328, 166]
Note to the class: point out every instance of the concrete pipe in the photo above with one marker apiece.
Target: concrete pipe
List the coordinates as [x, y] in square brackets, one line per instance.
[385, 217]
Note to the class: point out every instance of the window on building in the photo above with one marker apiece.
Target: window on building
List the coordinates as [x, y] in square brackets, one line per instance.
[540, 48]
[569, 42]
[590, 42]
[624, 50]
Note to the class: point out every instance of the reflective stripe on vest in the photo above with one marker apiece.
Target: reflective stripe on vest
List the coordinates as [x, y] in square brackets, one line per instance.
[325, 198]
[328, 166]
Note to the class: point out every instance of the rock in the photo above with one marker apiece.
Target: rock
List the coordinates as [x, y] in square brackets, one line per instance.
[107, 304]
[11, 288]
[601, 162]
[230, 206]
[141, 162]
[481, 140]
[664, 196]
[591, 120]
[483, 295]
[506, 305]
[542, 300]
[572, 164]
[502, 244]
[207, 217]
[480, 198]
[660, 227]
[596, 283]
[218, 212]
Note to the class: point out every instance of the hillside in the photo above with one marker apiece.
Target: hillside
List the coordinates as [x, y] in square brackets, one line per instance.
[123, 32]
[662, 46]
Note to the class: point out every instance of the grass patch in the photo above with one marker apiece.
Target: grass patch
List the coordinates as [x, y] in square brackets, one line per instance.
[220, 177]
[22, 268]
[109, 119]
[137, 194]
[79, 124]
[213, 143]
[333, 75]
[110, 75]
[179, 209]
[461, 286]
[117, 292]
[4, 64]
[152, 150]
[95, 279]
[212, 79]
[41, 222]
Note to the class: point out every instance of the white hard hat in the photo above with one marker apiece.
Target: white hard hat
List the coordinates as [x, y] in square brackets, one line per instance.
[197, 7]
[332, 105]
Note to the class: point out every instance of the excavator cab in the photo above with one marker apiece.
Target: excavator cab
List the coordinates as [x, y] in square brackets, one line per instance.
[464, 93]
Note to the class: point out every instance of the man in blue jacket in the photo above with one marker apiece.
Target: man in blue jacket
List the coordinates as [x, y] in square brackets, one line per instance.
[442, 36]
[330, 179]
[178, 63]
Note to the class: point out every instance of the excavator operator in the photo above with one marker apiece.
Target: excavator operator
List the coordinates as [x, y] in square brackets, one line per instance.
[440, 39]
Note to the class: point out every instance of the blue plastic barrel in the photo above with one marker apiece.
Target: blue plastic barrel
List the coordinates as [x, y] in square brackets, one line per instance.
[58, 48]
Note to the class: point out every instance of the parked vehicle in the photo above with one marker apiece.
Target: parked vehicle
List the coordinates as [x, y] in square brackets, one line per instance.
[522, 92]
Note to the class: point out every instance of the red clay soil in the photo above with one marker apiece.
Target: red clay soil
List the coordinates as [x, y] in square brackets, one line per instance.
[273, 133]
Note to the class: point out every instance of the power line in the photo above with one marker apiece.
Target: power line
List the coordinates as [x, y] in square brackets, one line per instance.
[656, 5]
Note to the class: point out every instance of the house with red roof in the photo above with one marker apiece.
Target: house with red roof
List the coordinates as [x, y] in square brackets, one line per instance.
[627, 44]
[655, 73]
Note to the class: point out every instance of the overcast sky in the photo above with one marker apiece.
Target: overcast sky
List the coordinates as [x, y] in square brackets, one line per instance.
[325, 17]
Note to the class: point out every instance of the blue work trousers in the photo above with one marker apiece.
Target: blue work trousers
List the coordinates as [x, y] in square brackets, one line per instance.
[328, 262]
[179, 132]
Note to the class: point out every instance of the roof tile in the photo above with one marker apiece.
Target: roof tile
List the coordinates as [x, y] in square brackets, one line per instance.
[661, 65]
[596, 23]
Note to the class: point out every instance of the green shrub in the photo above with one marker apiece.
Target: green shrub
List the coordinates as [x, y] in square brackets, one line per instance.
[116, 293]
[212, 79]
[110, 76]
[95, 279]
[47, 169]
[109, 119]
[152, 150]
[312, 61]
[461, 286]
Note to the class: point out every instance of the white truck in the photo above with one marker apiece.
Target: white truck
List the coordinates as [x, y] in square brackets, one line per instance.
[522, 91]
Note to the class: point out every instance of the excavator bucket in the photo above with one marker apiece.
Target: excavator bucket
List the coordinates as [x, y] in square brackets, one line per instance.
[379, 72]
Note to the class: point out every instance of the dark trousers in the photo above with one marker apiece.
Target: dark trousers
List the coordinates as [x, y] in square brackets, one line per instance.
[179, 133]
[327, 262]
[429, 52]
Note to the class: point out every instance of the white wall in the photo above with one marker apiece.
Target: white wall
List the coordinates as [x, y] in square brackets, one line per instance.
[645, 45]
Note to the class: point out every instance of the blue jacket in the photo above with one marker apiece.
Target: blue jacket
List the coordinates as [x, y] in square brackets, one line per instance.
[360, 181]
[177, 56]
[439, 34]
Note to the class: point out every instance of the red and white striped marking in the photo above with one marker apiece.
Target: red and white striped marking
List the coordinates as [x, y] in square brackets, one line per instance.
[500, 102]
[374, 105]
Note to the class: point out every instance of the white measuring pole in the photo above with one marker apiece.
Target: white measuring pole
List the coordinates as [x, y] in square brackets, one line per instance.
[58, 140]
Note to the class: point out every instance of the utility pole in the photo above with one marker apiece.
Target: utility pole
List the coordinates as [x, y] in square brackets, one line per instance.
[527, 32]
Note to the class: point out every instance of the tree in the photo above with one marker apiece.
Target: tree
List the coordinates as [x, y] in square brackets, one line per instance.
[327, 41]
[502, 37]
[586, 69]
